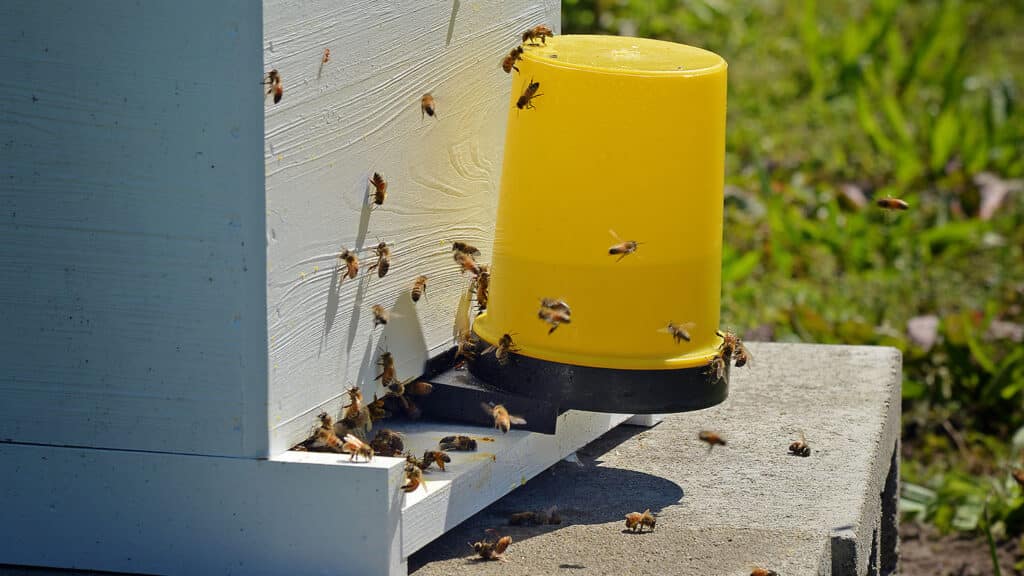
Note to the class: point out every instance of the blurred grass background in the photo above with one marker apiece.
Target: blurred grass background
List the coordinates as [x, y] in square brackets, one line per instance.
[834, 104]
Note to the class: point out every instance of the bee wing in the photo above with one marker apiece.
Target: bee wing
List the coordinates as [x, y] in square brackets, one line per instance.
[349, 438]
[488, 350]
[517, 420]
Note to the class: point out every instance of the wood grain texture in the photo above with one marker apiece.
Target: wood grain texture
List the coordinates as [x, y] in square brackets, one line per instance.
[335, 126]
[132, 293]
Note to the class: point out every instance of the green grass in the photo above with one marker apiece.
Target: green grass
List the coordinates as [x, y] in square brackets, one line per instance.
[917, 100]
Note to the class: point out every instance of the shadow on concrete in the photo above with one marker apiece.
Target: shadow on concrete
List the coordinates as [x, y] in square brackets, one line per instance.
[585, 495]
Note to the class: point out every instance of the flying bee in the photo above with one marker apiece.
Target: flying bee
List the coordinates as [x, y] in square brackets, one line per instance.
[351, 263]
[502, 419]
[679, 332]
[712, 438]
[466, 262]
[326, 438]
[541, 31]
[437, 457]
[356, 447]
[525, 101]
[465, 248]
[276, 86]
[458, 443]
[556, 304]
[419, 288]
[427, 105]
[387, 443]
[380, 189]
[637, 521]
[800, 447]
[503, 350]
[890, 203]
[387, 364]
[492, 550]
[483, 287]
[509, 63]
[413, 478]
[623, 248]
[763, 572]
[383, 263]
[554, 317]
[380, 315]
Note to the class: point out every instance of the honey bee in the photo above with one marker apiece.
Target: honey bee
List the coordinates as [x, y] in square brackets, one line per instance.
[355, 398]
[327, 56]
[380, 189]
[276, 86]
[732, 348]
[502, 419]
[492, 550]
[458, 443]
[351, 263]
[712, 438]
[413, 478]
[1018, 475]
[553, 316]
[536, 32]
[637, 521]
[800, 447]
[437, 457]
[679, 332]
[540, 517]
[387, 443]
[383, 263]
[525, 101]
[465, 248]
[326, 421]
[509, 63]
[890, 203]
[376, 409]
[427, 105]
[419, 388]
[466, 262]
[465, 345]
[325, 437]
[411, 410]
[503, 350]
[556, 304]
[483, 287]
[387, 364]
[356, 447]
[380, 315]
[623, 248]
[763, 572]
[419, 288]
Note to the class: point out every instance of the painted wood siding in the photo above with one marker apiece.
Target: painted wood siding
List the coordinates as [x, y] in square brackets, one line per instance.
[132, 217]
[337, 125]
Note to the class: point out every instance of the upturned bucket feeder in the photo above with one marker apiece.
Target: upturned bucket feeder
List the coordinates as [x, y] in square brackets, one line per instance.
[624, 140]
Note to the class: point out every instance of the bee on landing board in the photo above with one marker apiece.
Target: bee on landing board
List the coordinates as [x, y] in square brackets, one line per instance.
[275, 85]
[679, 332]
[419, 288]
[427, 105]
[503, 350]
[387, 443]
[525, 101]
[541, 31]
[492, 549]
[712, 439]
[890, 203]
[509, 63]
[356, 447]
[383, 263]
[458, 443]
[623, 248]
[502, 419]
[429, 457]
[763, 572]
[351, 261]
[380, 189]
[413, 478]
[800, 447]
[637, 521]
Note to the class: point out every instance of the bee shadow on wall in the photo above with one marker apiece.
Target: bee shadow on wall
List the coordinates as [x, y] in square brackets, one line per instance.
[357, 309]
[584, 494]
[331, 310]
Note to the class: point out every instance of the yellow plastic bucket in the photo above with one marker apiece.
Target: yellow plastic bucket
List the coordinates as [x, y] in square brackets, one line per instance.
[623, 140]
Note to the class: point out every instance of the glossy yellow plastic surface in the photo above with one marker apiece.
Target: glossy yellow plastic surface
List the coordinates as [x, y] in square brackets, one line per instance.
[625, 135]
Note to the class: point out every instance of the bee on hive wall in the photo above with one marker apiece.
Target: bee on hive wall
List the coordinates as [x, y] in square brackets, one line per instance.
[419, 288]
[380, 189]
[351, 262]
[274, 84]
[427, 105]
[383, 263]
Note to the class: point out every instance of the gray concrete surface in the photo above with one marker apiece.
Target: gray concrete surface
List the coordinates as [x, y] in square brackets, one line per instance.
[723, 511]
